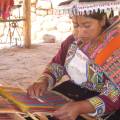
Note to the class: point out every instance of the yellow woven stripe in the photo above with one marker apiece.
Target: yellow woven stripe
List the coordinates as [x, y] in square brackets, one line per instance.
[20, 105]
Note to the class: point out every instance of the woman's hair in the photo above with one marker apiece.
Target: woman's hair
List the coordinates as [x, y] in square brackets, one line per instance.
[100, 16]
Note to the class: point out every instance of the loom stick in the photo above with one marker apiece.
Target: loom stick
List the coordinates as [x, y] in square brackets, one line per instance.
[20, 105]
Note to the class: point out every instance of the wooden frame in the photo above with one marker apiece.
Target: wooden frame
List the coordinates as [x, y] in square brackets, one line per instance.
[27, 23]
[16, 116]
[42, 116]
[11, 116]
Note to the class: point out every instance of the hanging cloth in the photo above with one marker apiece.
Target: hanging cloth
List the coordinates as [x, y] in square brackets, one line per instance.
[5, 7]
[77, 68]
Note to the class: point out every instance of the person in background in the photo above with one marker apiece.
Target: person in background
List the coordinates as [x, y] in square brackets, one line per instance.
[91, 59]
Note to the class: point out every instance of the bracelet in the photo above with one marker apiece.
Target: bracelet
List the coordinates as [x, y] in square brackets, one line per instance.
[93, 114]
[49, 79]
[98, 104]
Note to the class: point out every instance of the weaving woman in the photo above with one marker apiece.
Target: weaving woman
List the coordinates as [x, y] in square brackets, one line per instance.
[91, 59]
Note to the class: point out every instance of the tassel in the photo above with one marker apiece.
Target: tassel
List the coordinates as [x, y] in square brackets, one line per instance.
[111, 14]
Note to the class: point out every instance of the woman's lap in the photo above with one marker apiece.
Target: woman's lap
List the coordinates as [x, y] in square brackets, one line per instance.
[74, 91]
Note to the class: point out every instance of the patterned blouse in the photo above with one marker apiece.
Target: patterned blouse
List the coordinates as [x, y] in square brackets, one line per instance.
[103, 69]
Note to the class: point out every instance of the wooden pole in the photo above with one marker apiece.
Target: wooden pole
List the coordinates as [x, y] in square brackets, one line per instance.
[27, 23]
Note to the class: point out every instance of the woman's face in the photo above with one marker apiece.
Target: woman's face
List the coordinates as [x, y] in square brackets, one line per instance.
[86, 28]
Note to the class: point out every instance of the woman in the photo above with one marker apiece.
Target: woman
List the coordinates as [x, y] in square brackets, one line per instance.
[91, 59]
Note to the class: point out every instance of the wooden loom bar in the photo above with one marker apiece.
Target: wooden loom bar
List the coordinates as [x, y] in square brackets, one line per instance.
[12, 20]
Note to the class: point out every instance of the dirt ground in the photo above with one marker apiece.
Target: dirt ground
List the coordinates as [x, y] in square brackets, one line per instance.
[21, 67]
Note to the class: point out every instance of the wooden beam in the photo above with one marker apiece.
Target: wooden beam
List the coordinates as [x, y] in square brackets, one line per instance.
[27, 23]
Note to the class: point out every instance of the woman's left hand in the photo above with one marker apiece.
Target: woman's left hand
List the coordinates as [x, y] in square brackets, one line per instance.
[69, 111]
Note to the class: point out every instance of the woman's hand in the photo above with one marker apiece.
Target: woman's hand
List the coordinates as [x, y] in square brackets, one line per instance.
[69, 111]
[38, 88]
[72, 110]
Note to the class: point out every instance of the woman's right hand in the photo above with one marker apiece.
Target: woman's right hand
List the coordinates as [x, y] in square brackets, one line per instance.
[38, 88]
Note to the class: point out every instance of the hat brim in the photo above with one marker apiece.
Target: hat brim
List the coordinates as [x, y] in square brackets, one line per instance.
[78, 8]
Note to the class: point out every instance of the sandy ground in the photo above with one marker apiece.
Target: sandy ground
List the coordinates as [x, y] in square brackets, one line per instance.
[21, 67]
